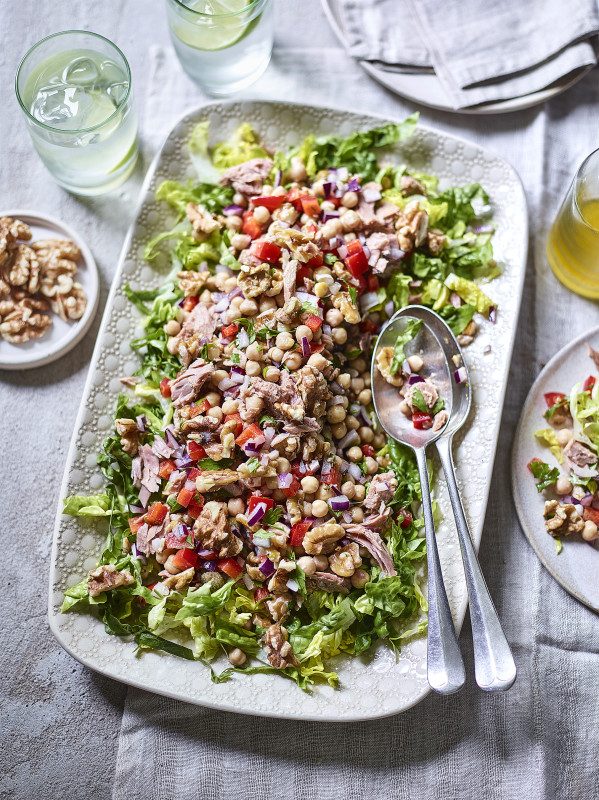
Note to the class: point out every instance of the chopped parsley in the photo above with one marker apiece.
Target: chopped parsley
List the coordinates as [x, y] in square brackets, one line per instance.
[253, 464]
[399, 353]
[543, 474]
[272, 515]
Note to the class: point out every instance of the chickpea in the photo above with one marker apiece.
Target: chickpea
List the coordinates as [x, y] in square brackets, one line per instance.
[359, 364]
[293, 360]
[170, 567]
[378, 441]
[367, 380]
[309, 484]
[365, 397]
[267, 190]
[563, 436]
[234, 222]
[324, 493]
[249, 308]
[348, 489]
[318, 188]
[255, 404]
[172, 327]
[261, 215]
[252, 368]
[272, 374]
[332, 228]
[306, 563]
[405, 408]
[267, 304]
[276, 354]
[237, 657]
[230, 406]
[317, 361]
[352, 423]
[357, 385]
[303, 331]
[354, 454]
[416, 363]
[339, 430]
[236, 302]
[326, 205]
[357, 515]
[578, 492]
[336, 414]
[307, 507]
[214, 352]
[297, 172]
[321, 289]
[349, 221]
[334, 317]
[172, 346]
[254, 352]
[219, 375]
[283, 465]
[344, 380]
[215, 579]
[240, 200]
[366, 434]
[350, 199]
[284, 341]
[321, 562]
[216, 413]
[213, 398]
[371, 465]
[590, 531]
[229, 284]
[280, 300]
[339, 335]
[563, 485]
[319, 508]
[236, 506]
[359, 492]
[240, 241]
[279, 190]
[359, 579]
[162, 557]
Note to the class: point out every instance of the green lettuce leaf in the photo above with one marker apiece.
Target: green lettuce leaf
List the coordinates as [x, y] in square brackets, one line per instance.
[399, 355]
[458, 319]
[242, 146]
[470, 293]
[201, 601]
[548, 437]
[93, 505]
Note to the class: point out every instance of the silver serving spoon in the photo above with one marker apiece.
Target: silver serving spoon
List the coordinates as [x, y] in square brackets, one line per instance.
[495, 669]
[445, 668]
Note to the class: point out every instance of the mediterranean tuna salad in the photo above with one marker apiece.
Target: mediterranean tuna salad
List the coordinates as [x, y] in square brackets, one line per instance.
[571, 487]
[255, 509]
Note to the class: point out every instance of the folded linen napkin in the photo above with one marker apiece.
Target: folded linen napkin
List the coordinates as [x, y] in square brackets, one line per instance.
[481, 52]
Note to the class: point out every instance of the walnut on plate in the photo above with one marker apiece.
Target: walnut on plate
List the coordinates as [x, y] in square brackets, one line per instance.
[21, 319]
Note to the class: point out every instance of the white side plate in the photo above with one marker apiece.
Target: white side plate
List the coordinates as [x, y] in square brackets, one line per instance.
[576, 568]
[61, 336]
[375, 686]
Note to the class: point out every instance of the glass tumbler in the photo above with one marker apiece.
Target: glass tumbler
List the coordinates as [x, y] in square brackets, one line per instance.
[573, 241]
[224, 45]
[74, 88]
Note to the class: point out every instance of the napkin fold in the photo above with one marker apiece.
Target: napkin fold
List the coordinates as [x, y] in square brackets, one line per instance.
[481, 52]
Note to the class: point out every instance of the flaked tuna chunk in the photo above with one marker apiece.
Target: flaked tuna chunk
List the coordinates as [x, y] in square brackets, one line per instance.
[150, 467]
[248, 177]
[201, 322]
[579, 454]
[381, 490]
[328, 582]
[289, 279]
[187, 387]
[371, 540]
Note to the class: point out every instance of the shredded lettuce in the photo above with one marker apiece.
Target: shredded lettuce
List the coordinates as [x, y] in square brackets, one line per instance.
[470, 293]
[584, 408]
[548, 437]
[242, 146]
[79, 505]
[399, 353]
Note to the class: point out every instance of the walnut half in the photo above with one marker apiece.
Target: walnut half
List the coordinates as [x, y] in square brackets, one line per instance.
[323, 538]
[562, 520]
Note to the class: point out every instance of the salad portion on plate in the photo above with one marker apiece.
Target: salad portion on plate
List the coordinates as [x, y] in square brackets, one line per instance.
[254, 504]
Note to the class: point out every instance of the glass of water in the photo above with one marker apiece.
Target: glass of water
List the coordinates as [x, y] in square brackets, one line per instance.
[224, 45]
[75, 90]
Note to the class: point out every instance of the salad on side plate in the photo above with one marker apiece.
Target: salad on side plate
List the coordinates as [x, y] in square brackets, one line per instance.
[254, 506]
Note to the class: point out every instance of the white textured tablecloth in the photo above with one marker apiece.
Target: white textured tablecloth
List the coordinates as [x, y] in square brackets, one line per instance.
[67, 732]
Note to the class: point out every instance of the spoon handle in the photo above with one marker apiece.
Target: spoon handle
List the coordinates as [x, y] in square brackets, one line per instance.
[494, 665]
[445, 668]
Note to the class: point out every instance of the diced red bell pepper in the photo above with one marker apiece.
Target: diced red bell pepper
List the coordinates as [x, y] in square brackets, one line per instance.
[368, 326]
[257, 498]
[302, 273]
[237, 419]
[406, 518]
[354, 246]
[294, 196]
[176, 538]
[270, 202]
[230, 330]
[250, 227]
[190, 303]
[185, 558]
[368, 450]
[292, 489]
[333, 478]
[193, 473]
[313, 322]
[301, 470]
[194, 509]
[156, 513]
[249, 433]
[230, 567]
[589, 384]
[195, 451]
[372, 284]
[591, 514]
[185, 496]
[211, 555]
[165, 387]
[551, 398]
[267, 252]
[166, 467]
[537, 460]
[260, 593]
[135, 523]
[315, 261]
[310, 227]
[357, 264]
[422, 422]
[310, 205]
[298, 531]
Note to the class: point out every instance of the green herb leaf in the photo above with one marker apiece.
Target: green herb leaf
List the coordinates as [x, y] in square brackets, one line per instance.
[543, 474]
[399, 355]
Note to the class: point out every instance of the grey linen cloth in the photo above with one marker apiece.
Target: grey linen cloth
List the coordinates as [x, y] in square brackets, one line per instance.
[537, 741]
[481, 51]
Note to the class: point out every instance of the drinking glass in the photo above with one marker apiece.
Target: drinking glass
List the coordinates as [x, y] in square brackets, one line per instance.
[75, 90]
[224, 45]
[573, 242]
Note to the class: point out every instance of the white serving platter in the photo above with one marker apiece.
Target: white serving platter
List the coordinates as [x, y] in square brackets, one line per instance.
[61, 336]
[426, 88]
[375, 686]
[576, 568]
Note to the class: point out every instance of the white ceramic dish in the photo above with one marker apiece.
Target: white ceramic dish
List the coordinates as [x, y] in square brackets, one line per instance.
[427, 89]
[61, 336]
[372, 687]
[576, 568]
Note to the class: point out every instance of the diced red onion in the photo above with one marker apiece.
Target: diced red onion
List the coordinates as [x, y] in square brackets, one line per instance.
[595, 504]
[587, 500]
[142, 423]
[415, 284]
[138, 554]
[267, 568]
[355, 471]
[346, 516]
[483, 229]
[313, 465]
[184, 462]
[243, 339]
[210, 566]
[389, 308]
[326, 468]
[330, 215]
[353, 185]
[371, 195]
[341, 172]
[460, 375]
[237, 377]
[234, 292]
[455, 300]
[285, 479]
[343, 466]
[253, 446]
[365, 417]
[487, 349]
[342, 251]
[493, 314]
[257, 514]
[226, 383]
[306, 297]
[405, 367]
[222, 269]
[395, 253]
[351, 437]
[292, 585]
[415, 379]
[136, 509]
[306, 352]
[222, 305]
[327, 188]
[278, 178]
[337, 400]
[269, 435]
[233, 210]
[247, 581]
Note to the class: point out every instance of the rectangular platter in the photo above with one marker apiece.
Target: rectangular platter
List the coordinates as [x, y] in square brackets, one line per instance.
[380, 684]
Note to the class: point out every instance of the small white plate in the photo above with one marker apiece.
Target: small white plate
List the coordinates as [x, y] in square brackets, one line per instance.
[426, 88]
[61, 336]
[576, 568]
